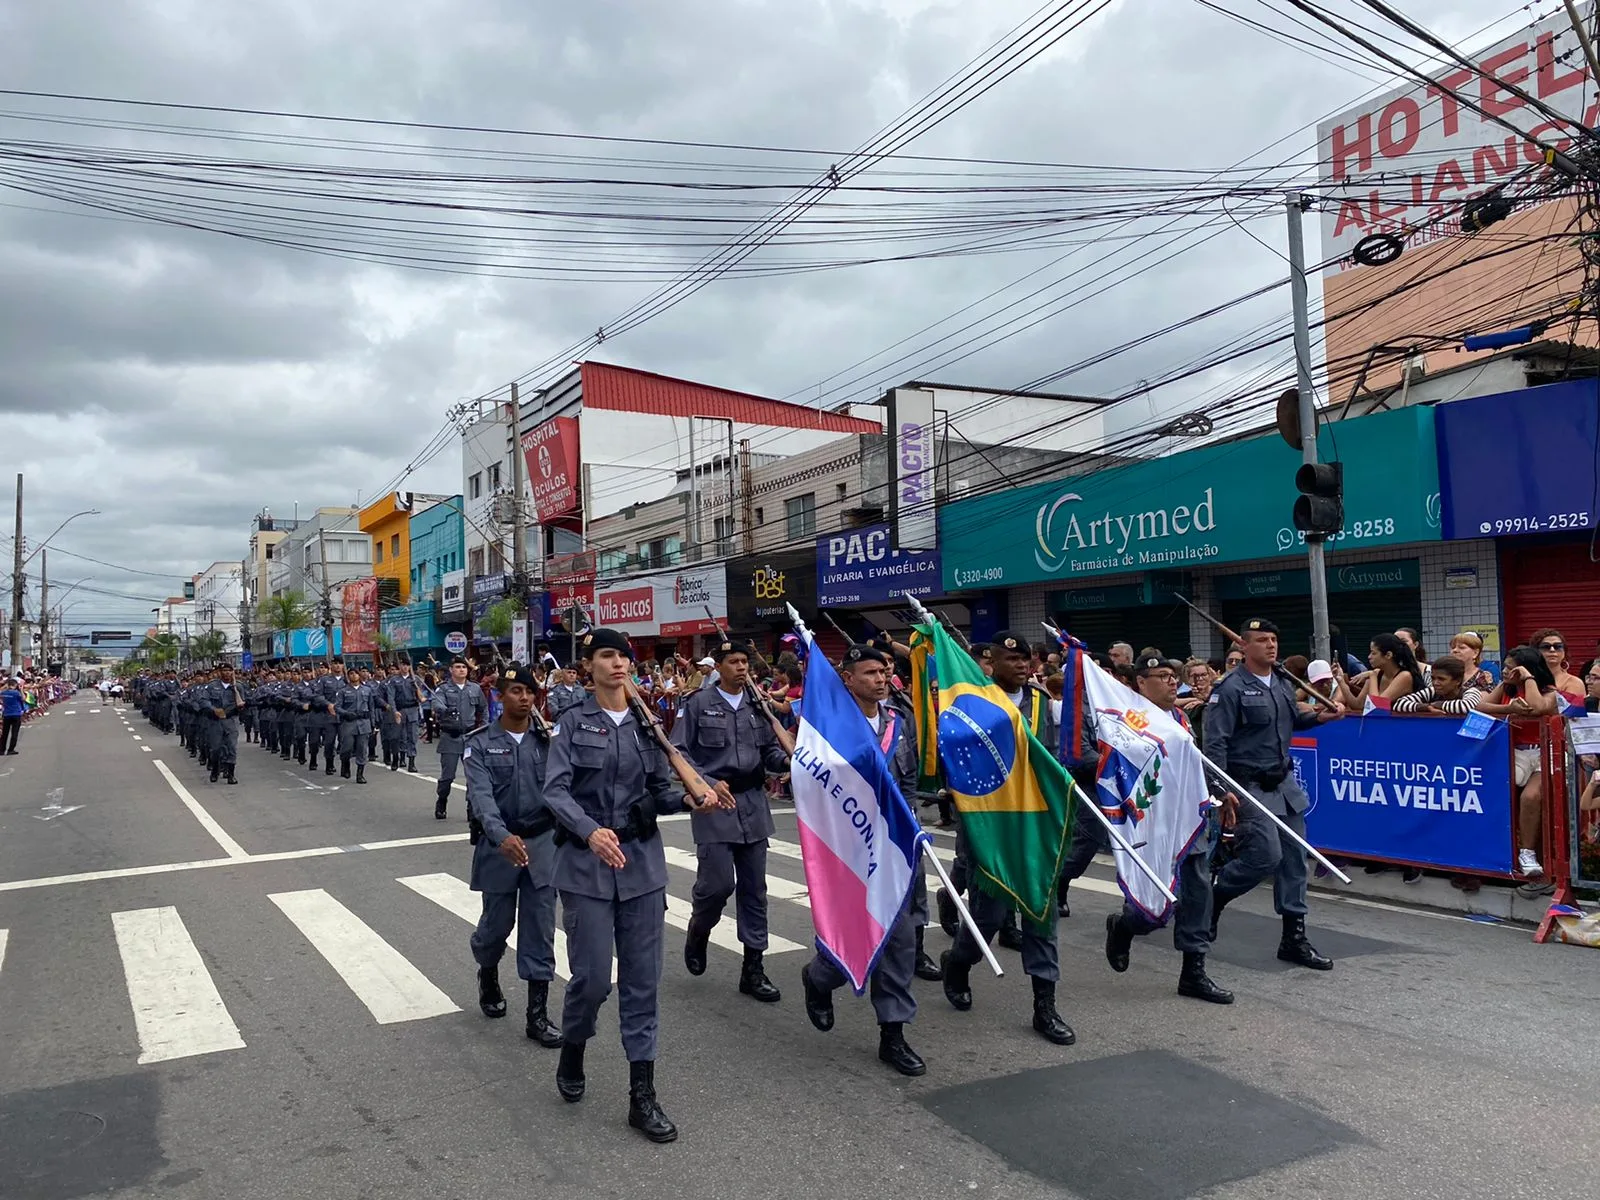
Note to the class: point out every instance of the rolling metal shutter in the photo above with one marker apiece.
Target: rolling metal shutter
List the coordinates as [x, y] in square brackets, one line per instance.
[1551, 585]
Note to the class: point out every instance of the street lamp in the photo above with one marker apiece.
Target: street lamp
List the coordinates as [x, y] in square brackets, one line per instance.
[19, 565]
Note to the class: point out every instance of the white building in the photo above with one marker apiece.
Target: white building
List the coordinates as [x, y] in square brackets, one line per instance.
[218, 596]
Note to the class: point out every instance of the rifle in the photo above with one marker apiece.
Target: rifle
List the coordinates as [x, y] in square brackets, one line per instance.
[1277, 668]
[758, 697]
[898, 692]
[693, 784]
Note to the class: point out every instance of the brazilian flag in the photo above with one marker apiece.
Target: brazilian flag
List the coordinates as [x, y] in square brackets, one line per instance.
[1015, 799]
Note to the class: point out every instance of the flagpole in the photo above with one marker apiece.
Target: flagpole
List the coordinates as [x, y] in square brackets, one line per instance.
[927, 848]
[961, 907]
[1241, 790]
[1122, 843]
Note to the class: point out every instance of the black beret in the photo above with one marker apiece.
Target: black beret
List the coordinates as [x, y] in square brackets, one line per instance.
[1259, 625]
[338, 661]
[1146, 665]
[859, 653]
[1006, 640]
[606, 639]
[730, 646]
[515, 672]
[457, 660]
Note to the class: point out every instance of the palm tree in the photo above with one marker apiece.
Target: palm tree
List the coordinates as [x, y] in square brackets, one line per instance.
[285, 612]
[382, 646]
[160, 648]
[209, 645]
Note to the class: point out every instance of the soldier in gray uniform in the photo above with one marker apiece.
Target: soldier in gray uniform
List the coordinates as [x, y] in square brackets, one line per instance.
[866, 674]
[225, 703]
[303, 698]
[731, 744]
[458, 705]
[354, 706]
[324, 728]
[1011, 659]
[606, 782]
[564, 694]
[514, 854]
[405, 699]
[1250, 719]
[1191, 919]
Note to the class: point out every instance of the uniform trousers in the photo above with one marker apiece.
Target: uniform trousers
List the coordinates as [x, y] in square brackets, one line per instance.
[1262, 849]
[737, 869]
[1040, 956]
[353, 740]
[224, 751]
[449, 761]
[323, 733]
[405, 733]
[634, 928]
[533, 911]
[1089, 838]
[1191, 919]
[890, 982]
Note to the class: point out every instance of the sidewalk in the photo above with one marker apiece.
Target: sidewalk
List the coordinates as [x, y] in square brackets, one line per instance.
[1497, 902]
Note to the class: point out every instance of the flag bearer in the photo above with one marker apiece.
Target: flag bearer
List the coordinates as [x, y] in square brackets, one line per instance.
[865, 671]
[606, 782]
[733, 747]
[1158, 683]
[1011, 661]
[513, 857]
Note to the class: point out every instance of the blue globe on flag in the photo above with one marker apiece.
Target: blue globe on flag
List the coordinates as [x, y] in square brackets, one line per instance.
[977, 744]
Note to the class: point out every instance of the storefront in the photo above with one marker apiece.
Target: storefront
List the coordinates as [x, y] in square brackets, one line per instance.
[863, 583]
[1522, 467]
[760, 589]
[1364, 599]
[411, 630]
[452, 612]
[673, 612]
[1120, 542]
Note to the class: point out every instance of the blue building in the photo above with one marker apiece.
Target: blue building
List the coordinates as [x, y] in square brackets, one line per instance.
[438, 546]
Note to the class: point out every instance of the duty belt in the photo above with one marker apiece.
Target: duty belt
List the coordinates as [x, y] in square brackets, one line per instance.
[538, 827]
[1269, 778]
[640, 827]
[746, 780]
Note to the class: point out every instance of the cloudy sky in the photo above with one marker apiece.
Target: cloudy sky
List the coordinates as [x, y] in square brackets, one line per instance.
[179, 380]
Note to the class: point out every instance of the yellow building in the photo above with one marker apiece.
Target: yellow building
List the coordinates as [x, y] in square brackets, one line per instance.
[388, 521]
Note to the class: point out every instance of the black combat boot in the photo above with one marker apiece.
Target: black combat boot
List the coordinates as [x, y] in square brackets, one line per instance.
[819, 1002]
[1063, 908]
[1119, 940]
[490, 998]
[1010, 932]
[1196, 983]
[215, 771]
[539, 1027]
[344, 766]
[893, 1050]
[644, 1113]
[1293, 947]
[312, 765]
[1047, 1022]
[926, 968]
[231, 779]
[411, 763]
[361, 772]
[957, 981]
[949, 917]
[569, 1072]
[439, 809]
[327, 766]
[753, 979]
[694, 946]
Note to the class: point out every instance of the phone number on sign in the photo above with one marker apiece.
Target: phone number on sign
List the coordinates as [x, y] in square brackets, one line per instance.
[987, 575]
[1567, 520]
[1377, 527]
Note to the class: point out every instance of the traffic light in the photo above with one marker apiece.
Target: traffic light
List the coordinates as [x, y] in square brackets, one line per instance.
[1320, 507]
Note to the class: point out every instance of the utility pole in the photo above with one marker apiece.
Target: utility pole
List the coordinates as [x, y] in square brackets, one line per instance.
[1296, 206]
[519, 536]
[16, 587]
[327, 602]
[44, 608]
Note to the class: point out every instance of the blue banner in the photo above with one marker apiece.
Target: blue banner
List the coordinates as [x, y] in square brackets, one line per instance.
[306, 643]
[1490, 449]
[858, 567]
[1412, 789]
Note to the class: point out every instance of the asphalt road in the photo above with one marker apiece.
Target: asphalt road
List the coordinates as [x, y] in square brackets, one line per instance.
[265, 991]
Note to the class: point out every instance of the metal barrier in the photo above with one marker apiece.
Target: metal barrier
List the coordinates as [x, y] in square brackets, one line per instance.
[1558, 772]
[1584, 840]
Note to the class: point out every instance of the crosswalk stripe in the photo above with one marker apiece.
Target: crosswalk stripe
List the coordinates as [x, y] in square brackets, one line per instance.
[177, 1011]
[454, 895]
[777, 886]
[723, 933]
[381, 977]
[4, 935]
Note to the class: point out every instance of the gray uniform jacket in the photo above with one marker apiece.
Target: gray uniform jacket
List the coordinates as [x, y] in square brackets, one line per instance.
[459, 710]
[222, 695]
[328, 689]
[1249, 725]
[306, 697]
[736, 747]
[597, 772]
[505, 793]
[352, 704]
[405, 692]
[902, 755]
[564, 696]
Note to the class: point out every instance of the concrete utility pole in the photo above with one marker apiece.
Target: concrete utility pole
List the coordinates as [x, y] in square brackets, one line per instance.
[327, 599]
[519, 536]
[1296, 206]
[44, 608]
[16, 586]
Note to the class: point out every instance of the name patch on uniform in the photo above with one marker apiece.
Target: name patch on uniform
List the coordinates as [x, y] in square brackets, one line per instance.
[587, 728]
[497, 750]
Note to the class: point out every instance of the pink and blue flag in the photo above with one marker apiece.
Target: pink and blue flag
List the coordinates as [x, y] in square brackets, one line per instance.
[859, 840]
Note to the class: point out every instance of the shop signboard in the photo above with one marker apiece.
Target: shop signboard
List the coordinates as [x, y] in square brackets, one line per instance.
[1411, 789]
[306, 643]
[411, 626]
[861, 567]
[667, 604]
[912, 514]
[453, 593]
[1403, 573]
[1227, 502]
[1496, 474]
[487, 591]
[762, 586]
[551, 453]
[359, 615]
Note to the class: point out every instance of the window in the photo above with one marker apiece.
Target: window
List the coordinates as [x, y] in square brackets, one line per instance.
[497, 560]
[377, 551]
[612, 562]
[311, 553]
[722, 531]
[801, 514]
[842, 492]
[761, 517]
[474, 486]
[357, 550]
[494, 478]
[394, 544]
[475, 561]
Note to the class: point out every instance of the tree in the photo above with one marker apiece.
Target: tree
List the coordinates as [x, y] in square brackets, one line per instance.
[209, 645]
[497, 621]
[159, 649]
[286, 612]
[382, 647]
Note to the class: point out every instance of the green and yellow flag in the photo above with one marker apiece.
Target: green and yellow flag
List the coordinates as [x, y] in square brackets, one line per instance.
[925, 708]
[1015, 799]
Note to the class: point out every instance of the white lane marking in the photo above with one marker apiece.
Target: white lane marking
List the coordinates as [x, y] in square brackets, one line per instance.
[777, 886]
[94, 710]
[453, 895]
[146, 749]
[381, 977]
[4, 936]
[229, 847]
[176, 1008]
[137, 738]
[71, 712]
[724, 933]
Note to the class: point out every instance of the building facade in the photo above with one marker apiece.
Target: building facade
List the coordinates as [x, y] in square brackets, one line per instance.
[387, 521]
[298, 559]
[218, 599]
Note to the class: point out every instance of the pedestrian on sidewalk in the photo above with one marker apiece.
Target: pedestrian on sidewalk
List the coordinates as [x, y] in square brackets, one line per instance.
[13, 706]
